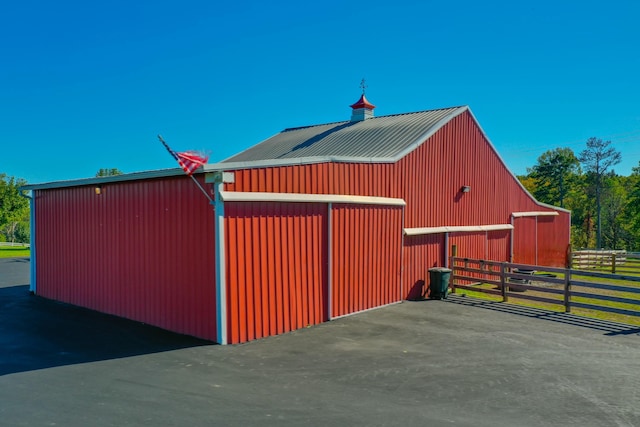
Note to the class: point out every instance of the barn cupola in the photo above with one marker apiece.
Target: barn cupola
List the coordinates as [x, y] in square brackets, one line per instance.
[362, 109]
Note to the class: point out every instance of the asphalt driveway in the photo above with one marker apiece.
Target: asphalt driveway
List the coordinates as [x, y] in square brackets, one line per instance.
[459, 362]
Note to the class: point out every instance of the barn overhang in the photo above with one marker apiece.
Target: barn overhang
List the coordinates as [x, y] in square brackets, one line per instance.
[456, 229]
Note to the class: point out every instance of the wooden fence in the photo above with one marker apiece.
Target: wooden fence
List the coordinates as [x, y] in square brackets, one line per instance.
[604, 260]
[15, 244]
[590, 290]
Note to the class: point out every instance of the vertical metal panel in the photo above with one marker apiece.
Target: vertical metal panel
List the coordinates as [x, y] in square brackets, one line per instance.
[276, 268]
[551, 242]
[525, 240]
[141, 250]
[326, 178]
[459, 155]
[470, 244]
[421, 253]
[366, 241]
[498, 242]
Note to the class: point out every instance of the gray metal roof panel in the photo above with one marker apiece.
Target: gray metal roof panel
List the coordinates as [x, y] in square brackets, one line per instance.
[381, 137]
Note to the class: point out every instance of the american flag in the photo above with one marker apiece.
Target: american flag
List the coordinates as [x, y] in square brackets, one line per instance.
[189, 161]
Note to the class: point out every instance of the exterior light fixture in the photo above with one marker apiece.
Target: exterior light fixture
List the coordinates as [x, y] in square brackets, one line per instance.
[98, 190]
[465, 188]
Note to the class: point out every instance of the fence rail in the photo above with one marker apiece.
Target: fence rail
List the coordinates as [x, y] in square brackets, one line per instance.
[14, 244]
[563, 286]
[613, 261]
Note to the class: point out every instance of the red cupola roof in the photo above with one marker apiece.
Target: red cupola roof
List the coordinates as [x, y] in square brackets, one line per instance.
[362, 110]
[363, 103]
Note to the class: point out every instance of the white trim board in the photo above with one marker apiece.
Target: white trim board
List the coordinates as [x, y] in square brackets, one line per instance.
[541, 213]
[240, 196]
[456, 229]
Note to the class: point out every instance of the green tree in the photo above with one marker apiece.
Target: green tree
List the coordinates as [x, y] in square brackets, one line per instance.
[614, 202]
[554, 174]
[527, 182]
[14, 210]
[632, 211]
[597, 158]
[582, 214]
[108, 172]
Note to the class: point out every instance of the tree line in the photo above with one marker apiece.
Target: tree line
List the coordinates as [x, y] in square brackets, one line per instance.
[14, 210]
[605, 206]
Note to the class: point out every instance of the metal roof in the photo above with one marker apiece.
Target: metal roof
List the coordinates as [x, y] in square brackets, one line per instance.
[377, 139]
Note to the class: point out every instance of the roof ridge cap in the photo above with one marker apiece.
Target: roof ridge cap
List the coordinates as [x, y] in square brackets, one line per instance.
[422, 111]
[373, 118]
[313, 126]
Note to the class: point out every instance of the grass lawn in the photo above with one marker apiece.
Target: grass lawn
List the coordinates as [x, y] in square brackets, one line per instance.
[14, 251]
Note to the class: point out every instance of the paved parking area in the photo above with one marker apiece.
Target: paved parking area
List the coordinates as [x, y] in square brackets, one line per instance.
[459, 362]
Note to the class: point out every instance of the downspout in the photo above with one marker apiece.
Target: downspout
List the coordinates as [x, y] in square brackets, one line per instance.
[403, 236]
[221, 276]
[32, 240]
[220, 256]
[486, 245]
[446, 250]
[513, 228]
[536, 240]
[329, 261]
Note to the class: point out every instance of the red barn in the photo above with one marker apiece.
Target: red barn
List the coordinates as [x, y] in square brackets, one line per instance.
[313, 223]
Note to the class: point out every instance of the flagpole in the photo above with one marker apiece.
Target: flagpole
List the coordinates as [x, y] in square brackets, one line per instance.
[202, 189]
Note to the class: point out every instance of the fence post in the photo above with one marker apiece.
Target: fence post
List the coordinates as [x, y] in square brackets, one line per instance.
[570, 258]
[567, 290]
[613, 263]
[503, 282]
[452, 267]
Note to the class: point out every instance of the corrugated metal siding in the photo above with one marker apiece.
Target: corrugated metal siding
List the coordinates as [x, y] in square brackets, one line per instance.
[525, 240]
[276, 268]
[366, 253]
[142, 250]
[470, 245]
[455, 156]
[498, 245]
[360, 179]
[420, 253]
[552, 242]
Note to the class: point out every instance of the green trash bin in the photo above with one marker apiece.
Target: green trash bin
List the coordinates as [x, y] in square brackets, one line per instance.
[439, 282]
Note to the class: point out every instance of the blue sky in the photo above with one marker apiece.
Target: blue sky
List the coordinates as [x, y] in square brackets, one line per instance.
[89, 85]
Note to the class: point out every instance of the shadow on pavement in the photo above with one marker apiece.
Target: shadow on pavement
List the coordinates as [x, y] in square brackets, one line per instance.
[610, 328]
[36, 333]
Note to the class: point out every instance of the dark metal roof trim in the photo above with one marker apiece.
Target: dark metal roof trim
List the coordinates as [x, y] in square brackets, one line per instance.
[160, 173]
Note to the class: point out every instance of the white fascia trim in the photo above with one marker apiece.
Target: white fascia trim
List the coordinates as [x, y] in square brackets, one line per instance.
[299, 161]
[542, 213]
[240, 196]
[456, 229]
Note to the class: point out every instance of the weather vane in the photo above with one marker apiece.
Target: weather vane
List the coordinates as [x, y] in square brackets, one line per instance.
[363, 85]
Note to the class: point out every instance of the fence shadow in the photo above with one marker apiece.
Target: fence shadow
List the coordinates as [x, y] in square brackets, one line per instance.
[609, 328]
[36, 333]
